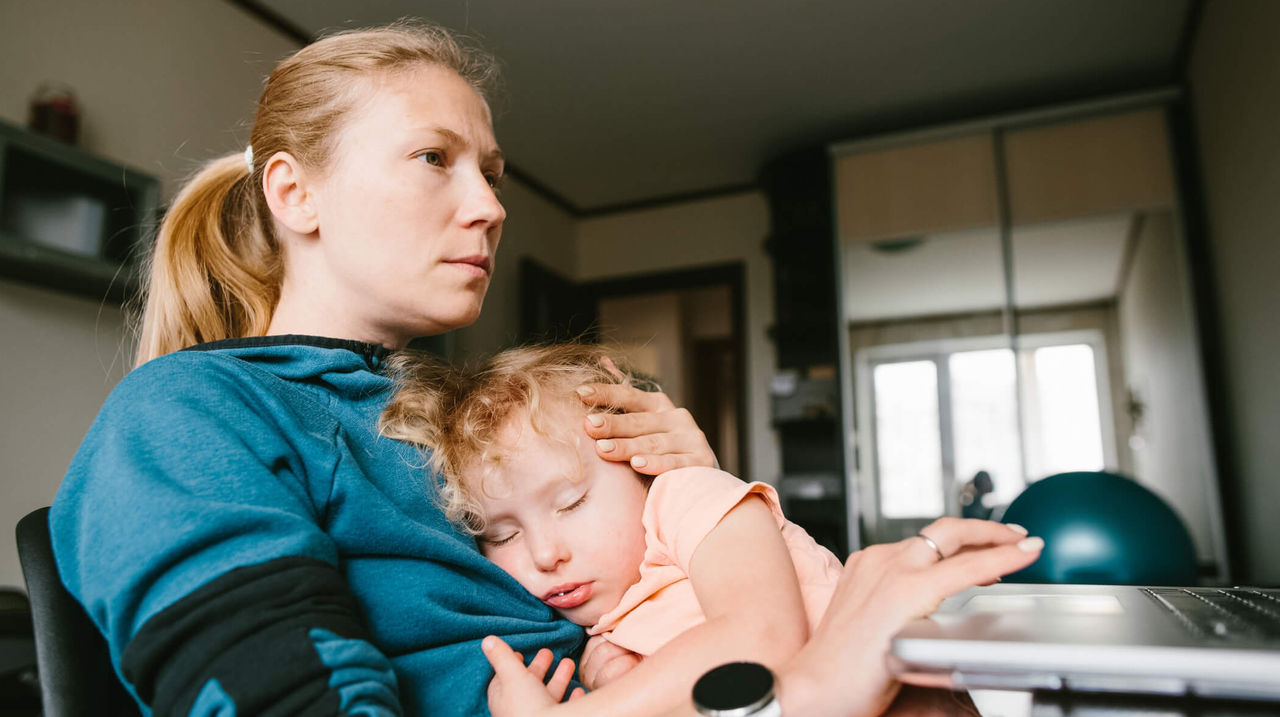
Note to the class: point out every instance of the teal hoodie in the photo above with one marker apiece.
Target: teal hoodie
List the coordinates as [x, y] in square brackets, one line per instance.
[248, 543]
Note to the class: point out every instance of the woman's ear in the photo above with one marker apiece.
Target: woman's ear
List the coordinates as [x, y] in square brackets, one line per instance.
[291, 200]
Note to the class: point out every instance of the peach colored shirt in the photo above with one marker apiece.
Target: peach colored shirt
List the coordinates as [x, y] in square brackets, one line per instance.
[682, 508]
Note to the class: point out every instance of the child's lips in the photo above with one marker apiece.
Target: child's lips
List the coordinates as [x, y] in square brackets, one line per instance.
[567, 596]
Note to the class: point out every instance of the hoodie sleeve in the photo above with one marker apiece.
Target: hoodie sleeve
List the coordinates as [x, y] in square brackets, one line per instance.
[190, 527]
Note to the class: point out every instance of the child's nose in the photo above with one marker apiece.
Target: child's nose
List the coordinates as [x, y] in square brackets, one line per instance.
[549, 552]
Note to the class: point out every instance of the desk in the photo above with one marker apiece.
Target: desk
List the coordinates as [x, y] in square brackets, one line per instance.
[994, 703]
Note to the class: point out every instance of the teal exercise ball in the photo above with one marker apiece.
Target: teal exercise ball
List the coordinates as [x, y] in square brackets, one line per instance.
[1101, 528]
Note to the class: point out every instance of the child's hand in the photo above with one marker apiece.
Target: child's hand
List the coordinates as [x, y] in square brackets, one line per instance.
[518, 691]
[604, 662]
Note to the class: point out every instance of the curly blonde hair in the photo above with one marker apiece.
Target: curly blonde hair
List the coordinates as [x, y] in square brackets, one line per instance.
[459, 413]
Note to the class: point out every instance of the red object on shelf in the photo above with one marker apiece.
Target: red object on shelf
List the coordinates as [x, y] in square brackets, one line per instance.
[54, 112]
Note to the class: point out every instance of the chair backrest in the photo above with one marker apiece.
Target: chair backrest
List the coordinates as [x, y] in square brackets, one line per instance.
[72, 660]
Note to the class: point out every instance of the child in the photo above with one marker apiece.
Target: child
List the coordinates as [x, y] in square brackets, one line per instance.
[693, 567]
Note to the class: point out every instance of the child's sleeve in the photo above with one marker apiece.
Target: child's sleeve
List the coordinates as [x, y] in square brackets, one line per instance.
[686, 504]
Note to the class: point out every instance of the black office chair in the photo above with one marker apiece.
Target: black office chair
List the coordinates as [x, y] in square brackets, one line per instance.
[72, 660]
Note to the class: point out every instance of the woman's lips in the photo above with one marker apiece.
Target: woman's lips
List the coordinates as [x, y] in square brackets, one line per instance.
[475, 265]
[570, 595]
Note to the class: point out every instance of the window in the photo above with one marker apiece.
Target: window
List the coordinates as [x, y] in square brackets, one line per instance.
[941, 412]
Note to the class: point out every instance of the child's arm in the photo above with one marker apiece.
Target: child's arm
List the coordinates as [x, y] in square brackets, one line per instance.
[746, 585]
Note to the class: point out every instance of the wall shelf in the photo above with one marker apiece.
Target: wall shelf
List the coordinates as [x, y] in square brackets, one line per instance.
[70, 220]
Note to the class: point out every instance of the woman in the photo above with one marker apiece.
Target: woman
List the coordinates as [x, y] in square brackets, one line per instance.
[233, 523]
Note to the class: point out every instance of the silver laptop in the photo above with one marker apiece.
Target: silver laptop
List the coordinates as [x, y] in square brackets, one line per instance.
[1211, 642]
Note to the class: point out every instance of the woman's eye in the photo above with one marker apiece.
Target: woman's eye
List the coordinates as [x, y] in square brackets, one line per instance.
[433, 158]
[494, 180]
[575, 504]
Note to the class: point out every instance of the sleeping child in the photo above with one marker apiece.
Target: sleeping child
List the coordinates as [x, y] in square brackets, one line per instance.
[688, 570]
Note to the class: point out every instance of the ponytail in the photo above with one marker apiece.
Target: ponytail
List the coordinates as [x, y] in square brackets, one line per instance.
[215, 271]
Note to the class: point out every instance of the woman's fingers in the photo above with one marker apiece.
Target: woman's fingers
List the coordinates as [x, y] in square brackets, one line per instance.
[952, 535]
[624, 398]
[630, 425]
[651, 433]
[982, 566]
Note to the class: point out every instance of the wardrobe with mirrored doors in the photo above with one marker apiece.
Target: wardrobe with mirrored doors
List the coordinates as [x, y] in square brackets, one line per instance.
[1016, 300]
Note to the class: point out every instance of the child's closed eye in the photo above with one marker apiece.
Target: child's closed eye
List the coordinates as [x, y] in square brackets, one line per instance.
[575, 504]
[497, 541]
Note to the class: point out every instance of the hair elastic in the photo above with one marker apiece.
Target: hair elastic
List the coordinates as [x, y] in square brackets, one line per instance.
[248, 157]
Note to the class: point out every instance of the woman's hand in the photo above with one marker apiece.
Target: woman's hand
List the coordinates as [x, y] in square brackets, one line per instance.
[651, 433]
[844, 669]
[518, 691]
[603, 662]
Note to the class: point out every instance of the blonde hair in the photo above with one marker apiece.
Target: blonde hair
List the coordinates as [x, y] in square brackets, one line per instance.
[459, 414]
[216, 269]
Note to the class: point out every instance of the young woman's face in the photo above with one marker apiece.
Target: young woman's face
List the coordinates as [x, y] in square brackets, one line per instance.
[408, 217]
[568, 524]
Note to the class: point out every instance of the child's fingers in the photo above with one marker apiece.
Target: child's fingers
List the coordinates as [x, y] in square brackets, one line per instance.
[540, 664]
[506, 662]
[577, 692]
[560, 679]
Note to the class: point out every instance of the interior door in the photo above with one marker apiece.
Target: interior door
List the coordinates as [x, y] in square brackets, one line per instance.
[553, 308]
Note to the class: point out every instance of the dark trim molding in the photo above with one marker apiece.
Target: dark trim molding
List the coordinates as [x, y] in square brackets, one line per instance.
[1197, 241]
[274, 20]
[669, 199]
[1187, 42]
[541, 189]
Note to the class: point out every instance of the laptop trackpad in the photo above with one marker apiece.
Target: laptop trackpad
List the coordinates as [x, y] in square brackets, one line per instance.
[1048, 603]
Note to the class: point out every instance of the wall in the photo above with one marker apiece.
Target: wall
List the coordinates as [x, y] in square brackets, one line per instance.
[1235, 95]
[161, 87]
[712, 231]
[1162, 368]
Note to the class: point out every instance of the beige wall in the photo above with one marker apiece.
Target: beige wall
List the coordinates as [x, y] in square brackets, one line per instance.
[1235, 93]
[161, 87]
[1173, 456]
[712, 231]
[63, 355]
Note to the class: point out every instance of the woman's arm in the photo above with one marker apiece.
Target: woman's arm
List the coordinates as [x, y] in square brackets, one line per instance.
[746, 585]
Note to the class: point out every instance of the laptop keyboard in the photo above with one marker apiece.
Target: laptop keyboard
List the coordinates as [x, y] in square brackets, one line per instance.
[1223, 613]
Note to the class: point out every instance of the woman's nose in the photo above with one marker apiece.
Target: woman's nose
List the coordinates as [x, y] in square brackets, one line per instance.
[481, 206]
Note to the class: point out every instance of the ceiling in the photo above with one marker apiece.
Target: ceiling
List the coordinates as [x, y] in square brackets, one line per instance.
[613, 104]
